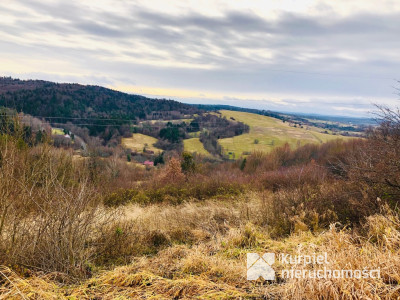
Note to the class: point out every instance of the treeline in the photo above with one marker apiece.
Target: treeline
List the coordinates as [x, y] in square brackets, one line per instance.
[216, 127]
[210, 128]
[103, 111]
[29, 130]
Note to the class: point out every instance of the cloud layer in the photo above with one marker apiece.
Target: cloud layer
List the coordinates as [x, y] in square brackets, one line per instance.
[318, 56]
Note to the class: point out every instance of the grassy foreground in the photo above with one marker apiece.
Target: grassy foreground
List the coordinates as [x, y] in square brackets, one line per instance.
[202, 255]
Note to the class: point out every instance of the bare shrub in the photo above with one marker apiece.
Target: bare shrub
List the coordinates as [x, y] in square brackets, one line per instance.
[376, 166]
[287, 178]
[49, 212]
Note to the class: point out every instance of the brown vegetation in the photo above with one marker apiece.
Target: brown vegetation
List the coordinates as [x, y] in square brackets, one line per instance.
[103, 228]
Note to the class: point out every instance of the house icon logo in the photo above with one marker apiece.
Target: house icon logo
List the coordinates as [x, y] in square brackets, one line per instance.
[260, 266]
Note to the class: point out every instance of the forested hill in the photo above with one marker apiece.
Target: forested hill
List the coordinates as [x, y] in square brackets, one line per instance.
[48, 99]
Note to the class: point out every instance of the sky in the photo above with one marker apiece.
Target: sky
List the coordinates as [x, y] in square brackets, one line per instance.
[314, 56]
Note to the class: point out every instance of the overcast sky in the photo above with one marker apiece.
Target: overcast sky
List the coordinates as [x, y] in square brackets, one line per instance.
[327, 57]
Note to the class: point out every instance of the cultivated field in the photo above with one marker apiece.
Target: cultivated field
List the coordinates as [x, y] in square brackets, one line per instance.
[267, 133]
[138, 141]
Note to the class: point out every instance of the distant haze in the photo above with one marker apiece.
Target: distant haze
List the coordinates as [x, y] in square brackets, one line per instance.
[325, 57]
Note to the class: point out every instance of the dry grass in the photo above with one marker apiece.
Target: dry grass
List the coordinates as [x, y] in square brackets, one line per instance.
[349, 251]
[205, 258]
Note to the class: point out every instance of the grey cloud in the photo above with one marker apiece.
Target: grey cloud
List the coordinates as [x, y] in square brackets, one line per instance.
[97, 29]
[195, 32]
[62, 10]
[309, 55]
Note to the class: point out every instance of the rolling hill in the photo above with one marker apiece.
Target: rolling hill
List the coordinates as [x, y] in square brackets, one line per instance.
[79, 104]
[267, 133]
[99, 108]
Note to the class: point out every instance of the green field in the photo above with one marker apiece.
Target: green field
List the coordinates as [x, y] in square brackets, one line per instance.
[138, 141]
[194, 145]
[267, 133]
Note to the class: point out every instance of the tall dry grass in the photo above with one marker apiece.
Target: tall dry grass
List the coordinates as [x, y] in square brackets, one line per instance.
[210, 261]
[49, 210]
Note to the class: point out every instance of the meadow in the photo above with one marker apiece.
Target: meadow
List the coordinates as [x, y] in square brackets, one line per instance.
[193, 145]
[140, 141]
[267, 133]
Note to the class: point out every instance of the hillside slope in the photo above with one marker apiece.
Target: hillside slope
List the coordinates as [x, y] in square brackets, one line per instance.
[193, 145]
[48, 99]
[139, 141]
[267, 133]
